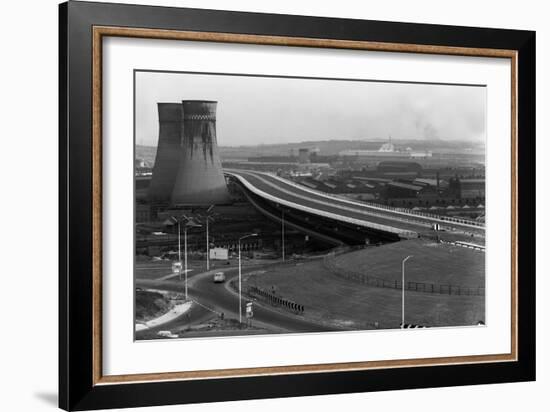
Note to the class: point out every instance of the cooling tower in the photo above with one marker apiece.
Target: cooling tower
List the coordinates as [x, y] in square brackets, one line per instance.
[200, 179]
[168, 152]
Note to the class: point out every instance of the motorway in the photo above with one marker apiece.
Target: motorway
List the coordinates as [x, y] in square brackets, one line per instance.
[214, 298]
[290, 194]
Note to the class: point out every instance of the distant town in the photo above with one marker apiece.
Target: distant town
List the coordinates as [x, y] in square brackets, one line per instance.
[446, 178]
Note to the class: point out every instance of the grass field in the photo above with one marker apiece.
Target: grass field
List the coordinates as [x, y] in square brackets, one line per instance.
[431, 263]
[337, 301]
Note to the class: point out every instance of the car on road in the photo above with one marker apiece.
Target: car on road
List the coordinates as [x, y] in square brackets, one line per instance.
[167, 334]
[219, 277]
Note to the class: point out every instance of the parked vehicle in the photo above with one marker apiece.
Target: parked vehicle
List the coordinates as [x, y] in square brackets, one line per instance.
[167, 334]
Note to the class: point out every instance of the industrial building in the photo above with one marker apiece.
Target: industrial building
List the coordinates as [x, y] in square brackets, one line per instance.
[472, 188]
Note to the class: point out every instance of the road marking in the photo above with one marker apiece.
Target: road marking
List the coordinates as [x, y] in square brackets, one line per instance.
[370, 205]
[173, 275]
[172, 314]
[206, 307]
[332, 215]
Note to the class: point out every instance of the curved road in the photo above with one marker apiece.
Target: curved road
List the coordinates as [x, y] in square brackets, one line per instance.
[216, 297]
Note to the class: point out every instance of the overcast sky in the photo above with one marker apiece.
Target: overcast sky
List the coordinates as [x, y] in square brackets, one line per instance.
[255, 110]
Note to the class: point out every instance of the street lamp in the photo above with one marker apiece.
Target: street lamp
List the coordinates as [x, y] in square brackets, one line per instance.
[207, 219]
[170, 222]
[283, 232]
[189, 224]
[403, 291]
[240, 276]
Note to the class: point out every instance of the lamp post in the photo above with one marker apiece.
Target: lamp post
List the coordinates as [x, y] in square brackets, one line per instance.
[185, 254]
[179, 248]
[207, 218]
[189, 224]
[240, 276]
[170, 222]
[403, 291]
[283, 233]
[207, 246]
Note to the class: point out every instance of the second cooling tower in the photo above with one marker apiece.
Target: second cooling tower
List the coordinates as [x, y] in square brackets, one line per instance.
[168, 152]
[199, 179]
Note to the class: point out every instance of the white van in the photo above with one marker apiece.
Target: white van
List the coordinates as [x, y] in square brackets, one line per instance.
[219, 277]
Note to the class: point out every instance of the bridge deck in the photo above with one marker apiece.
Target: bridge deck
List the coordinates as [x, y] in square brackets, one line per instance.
[293, 195]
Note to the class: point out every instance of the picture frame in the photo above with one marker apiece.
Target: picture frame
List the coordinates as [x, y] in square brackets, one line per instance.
[82, 29]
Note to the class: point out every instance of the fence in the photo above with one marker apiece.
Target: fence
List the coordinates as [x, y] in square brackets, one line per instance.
[276, 300]
[465, 244]
[433, 216]
[442, 289]
[410, 212]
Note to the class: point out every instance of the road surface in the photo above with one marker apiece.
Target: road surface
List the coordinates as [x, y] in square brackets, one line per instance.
[280, 190]
[214, 298]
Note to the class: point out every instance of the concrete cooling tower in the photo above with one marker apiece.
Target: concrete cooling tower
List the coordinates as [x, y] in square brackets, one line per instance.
[168, 152]
[199, 180]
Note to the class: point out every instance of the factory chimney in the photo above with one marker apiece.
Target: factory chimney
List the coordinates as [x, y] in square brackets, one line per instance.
[199, 179]
[168, 148]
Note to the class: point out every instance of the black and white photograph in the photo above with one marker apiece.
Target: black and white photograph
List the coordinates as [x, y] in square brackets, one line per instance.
[275, 206]
[279, 204]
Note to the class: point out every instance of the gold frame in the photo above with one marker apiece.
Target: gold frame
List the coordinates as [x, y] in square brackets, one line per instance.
[101, 31]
